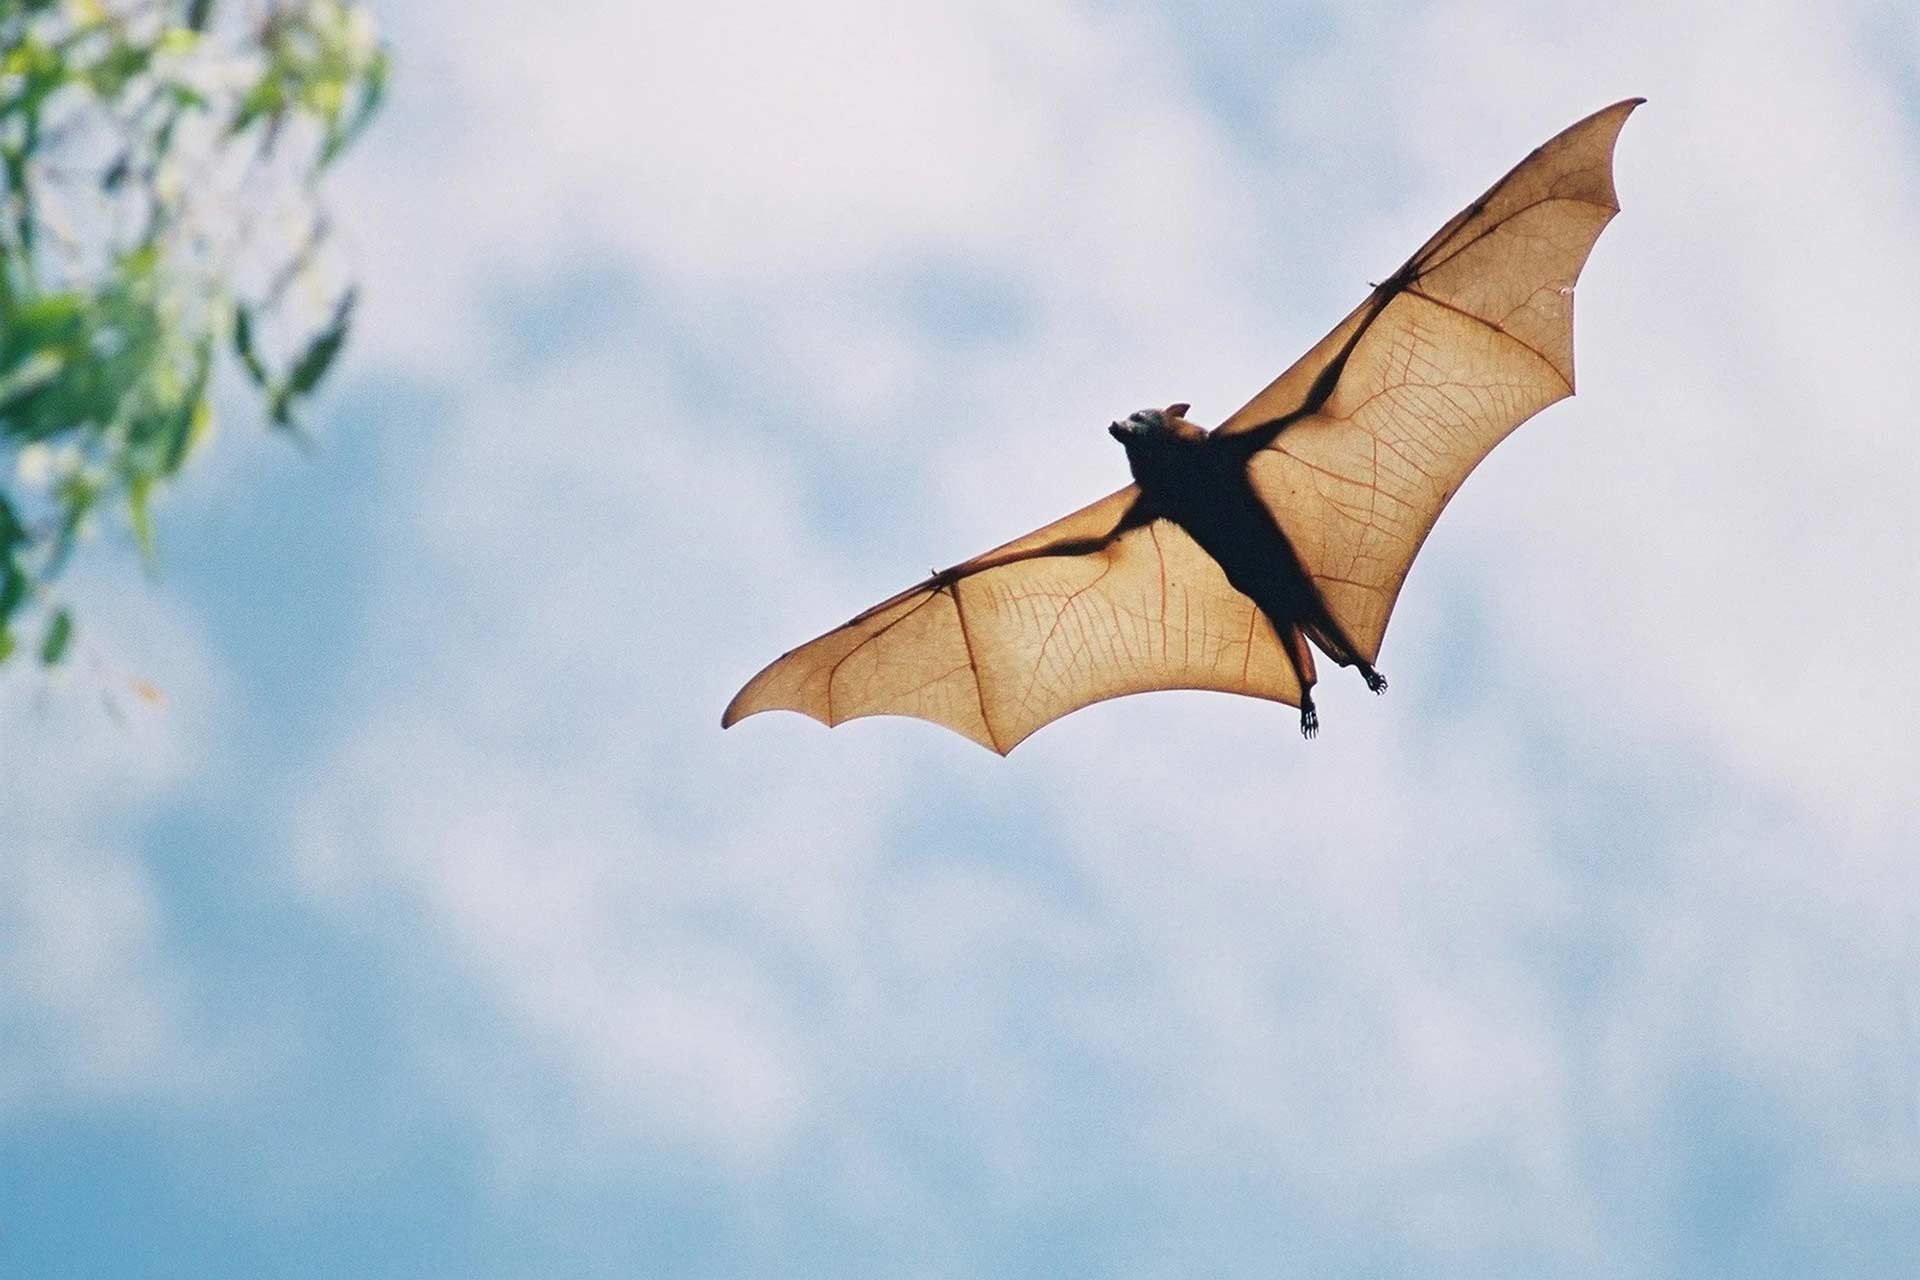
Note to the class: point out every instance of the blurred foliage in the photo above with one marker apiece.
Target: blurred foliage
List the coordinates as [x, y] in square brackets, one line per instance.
[161, 233]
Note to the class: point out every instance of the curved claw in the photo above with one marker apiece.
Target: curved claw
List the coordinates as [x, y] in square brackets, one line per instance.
[1309, 722]
[1376, 681]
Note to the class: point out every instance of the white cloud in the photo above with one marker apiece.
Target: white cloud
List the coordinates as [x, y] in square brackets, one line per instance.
[94, 999]
[549, 741]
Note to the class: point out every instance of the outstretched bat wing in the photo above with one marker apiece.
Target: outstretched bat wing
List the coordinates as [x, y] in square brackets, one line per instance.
[1102, 603]
[1357, 448]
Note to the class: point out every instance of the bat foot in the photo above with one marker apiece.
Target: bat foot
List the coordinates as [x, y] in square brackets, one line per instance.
[1309, 722]
[1375, 681]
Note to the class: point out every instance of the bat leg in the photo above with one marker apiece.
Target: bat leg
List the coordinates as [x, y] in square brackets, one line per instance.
[1295, 643]
[1328, 635]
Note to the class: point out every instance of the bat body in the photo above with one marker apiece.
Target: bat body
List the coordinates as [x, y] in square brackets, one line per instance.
[1201, 483]
[1295, 520]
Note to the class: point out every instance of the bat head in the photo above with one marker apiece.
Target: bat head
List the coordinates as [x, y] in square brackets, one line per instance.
[1148, 427]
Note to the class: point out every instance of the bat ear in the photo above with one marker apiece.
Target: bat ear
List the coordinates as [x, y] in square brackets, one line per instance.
[1178, 410]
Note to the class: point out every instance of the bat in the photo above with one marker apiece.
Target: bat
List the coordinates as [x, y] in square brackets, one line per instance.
[1294, 521]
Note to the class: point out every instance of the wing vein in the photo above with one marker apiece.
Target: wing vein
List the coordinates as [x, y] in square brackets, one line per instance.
[979, 687]
[1046, 641]
[833, 672]
[1421, 268]
[1524, 345]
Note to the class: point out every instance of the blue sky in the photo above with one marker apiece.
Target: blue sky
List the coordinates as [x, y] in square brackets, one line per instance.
[433, 927]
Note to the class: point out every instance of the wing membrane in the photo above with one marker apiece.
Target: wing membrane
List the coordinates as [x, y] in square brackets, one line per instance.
[1360, 444]
[1020, 636]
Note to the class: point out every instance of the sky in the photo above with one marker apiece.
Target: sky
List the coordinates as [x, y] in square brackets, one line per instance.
[433, 927]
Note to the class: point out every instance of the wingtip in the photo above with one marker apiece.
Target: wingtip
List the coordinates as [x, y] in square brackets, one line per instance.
[753, 698]
[737, 710]
[1616, 112]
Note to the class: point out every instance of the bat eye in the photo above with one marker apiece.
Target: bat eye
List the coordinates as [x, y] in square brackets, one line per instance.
[1141, 424]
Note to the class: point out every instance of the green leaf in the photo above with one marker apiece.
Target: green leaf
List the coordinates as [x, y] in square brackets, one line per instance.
[78, 493]
[244, 348]
[183, 95]
[373, 91]
[19, 386]
[313, 362]
[53, 646]
[267, 98]
[51, 320]
[189, 420]
[11, 530]
[140, 515]
[14, 588]
[319, 355]
[112, 73]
